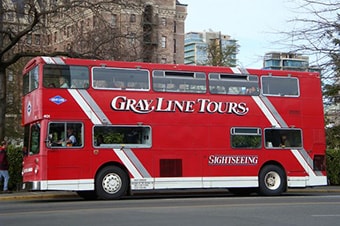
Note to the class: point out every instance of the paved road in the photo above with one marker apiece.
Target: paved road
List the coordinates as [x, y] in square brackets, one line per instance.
[72, 195]
[292, 208]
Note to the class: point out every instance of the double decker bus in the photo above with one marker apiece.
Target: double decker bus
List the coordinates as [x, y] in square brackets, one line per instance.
[106, 129]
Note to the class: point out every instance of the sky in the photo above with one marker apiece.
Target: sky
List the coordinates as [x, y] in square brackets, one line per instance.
[256, 24]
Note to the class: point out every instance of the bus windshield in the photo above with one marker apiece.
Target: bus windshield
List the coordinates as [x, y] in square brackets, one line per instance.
[65, 76]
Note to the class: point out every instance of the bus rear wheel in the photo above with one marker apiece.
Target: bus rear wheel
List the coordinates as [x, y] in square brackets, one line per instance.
[111, 183]
[272, 180]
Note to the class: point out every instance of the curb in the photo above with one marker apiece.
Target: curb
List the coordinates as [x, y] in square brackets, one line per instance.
[69, 194]
[37, 195]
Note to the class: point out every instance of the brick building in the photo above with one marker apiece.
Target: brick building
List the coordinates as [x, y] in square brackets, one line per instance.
[144, 30]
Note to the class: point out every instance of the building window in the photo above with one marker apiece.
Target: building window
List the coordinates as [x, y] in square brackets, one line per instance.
[163, 42]
[132, 38]
[49, 39]
[175, 46]
[163, 21]
[29, 39]
[55, 37]
[175, 27]
[37, 39]
[113, 20]
[132, 18]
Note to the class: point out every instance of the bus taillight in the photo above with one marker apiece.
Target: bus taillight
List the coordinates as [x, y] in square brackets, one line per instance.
[319, 163]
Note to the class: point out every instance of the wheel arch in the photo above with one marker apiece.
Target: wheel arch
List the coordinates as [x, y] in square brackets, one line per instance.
[275, 163]
[117, 164]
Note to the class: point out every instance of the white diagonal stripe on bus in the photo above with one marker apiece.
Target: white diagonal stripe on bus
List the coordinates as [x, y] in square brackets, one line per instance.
[307, 157]
[273, 111]
[133, 158]
[236, 70]
[84, 106]
[127, 163]
[303, 162]
[281, 123]
[92, 103]
[48, 60]
[266, 111]
[58, 60]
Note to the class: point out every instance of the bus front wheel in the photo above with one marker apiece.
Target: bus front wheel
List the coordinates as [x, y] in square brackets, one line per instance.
[272, 180]
[111, 183]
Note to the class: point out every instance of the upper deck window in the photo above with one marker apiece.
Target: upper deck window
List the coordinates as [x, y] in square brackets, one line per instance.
[65, 76]
[118, 79]
[179, 81]
[233, 84]
[280, 86]
[31, 80]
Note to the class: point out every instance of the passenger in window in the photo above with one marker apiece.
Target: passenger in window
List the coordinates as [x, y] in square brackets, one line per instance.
[252, 91]
[63, 83]
[119, 84]
[284, 141]
[51, 85]
[101, 84]
[70, 140]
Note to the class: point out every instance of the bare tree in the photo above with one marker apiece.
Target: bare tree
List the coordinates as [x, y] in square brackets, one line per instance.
[219, 55]
[29, 28]
[317, 32]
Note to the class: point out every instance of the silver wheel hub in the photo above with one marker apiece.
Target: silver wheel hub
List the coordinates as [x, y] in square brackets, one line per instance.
[112, 183]
[272, 180]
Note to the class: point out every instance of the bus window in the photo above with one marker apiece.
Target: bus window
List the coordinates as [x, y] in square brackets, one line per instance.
[32, 139]
[184, 82]
[233, 84]
[283, 138]
[65, 76]
[127, 136]
[242, 137]
[117, 79]
[280, 86]
[30, 82]
[65, 134]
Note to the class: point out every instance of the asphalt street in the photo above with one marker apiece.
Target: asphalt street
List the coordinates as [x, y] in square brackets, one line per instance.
[31, 195]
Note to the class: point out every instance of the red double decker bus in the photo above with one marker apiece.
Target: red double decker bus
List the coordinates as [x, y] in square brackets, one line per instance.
[106, 129]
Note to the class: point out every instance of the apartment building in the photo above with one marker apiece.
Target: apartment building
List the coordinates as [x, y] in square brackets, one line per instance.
[286, 61]
[196, 46]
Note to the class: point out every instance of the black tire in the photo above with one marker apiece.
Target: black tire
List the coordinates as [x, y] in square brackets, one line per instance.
[87, 195]
[272, 180]
[242, 191]
[111, 183]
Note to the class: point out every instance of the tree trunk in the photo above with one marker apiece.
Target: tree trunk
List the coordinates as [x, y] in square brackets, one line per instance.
[3, 88]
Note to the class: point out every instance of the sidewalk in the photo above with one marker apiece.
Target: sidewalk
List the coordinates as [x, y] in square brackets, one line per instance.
[27, 195]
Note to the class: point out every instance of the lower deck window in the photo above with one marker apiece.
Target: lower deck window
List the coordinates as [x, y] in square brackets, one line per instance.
[283, 138]
[246, 137]
[65, 134]
[127, 136]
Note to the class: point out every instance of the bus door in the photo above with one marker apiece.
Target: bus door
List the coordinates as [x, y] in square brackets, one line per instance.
[66, 156]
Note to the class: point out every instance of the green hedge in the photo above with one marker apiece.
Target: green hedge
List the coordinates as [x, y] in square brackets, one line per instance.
[333, 166]
[14, 156]
[15, 160]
